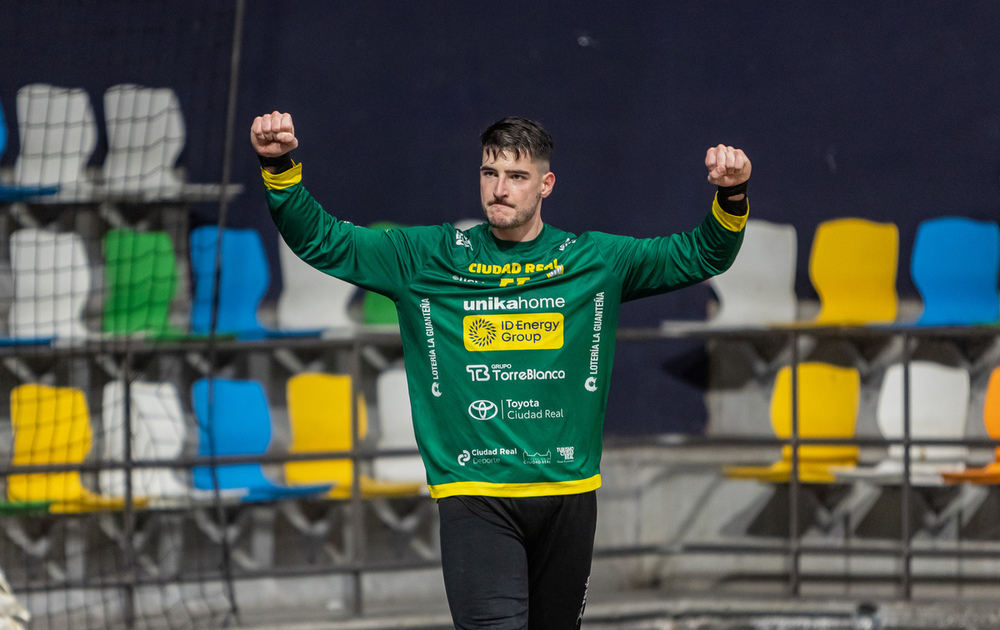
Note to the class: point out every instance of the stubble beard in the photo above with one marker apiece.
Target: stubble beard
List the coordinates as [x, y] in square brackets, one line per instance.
[521, 216]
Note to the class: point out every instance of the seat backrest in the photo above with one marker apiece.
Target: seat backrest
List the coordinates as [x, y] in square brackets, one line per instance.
[145, 137]
[853, 267]
[158, 433]
[141, 274]
[58, 135]
[956, 265]
[828, 397]
[319, 416]
[244, 279]
[991, 411]
[233, 417]
[51, 284]
[760, 286]
[51, 426]
[396, 429]
[939, 406]
[309, 298]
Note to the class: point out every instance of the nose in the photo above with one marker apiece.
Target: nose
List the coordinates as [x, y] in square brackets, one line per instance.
[500, 188]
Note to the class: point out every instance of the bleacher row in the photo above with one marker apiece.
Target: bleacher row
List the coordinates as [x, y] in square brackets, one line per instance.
[58, 136]
[52, 426]
[853, 266]
[829, 397]
[53, 282]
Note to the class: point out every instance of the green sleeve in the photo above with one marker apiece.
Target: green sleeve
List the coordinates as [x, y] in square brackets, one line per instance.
[650, 266]
[377, 260]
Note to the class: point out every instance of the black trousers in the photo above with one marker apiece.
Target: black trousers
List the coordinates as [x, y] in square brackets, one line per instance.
[517, 563]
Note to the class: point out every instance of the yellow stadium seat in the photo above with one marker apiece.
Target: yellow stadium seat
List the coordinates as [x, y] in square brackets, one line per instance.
[828, 408]
[853, 267]
[319, 414]
[52, 426]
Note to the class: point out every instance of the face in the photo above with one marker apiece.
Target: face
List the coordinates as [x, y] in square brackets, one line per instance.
[512, 190]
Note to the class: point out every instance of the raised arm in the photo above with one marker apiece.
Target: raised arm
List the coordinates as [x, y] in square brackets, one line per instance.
[378, 260]
[655, 265]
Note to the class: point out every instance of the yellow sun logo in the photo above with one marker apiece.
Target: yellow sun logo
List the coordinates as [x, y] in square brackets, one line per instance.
[482, 332]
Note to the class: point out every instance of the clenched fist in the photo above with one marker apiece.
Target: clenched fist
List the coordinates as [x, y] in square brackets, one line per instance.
[273, 135]
[727, 166]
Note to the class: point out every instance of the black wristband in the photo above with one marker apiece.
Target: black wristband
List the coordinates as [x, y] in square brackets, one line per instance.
[282, 163]
[732, 191]
[737, 208]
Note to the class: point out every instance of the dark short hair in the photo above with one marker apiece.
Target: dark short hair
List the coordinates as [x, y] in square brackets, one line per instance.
[520, 136]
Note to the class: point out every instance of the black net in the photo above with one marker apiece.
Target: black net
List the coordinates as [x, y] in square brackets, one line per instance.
[113, 133]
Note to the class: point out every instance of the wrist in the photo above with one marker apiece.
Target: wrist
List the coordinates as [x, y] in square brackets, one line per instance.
[733, 191]
[276, 165]
[733, 199]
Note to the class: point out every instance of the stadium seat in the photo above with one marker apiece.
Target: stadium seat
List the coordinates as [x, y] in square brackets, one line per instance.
[319, 414]
[939, 405]
[989, 474]
[52, 426]
[17, 193]
[828, 408]
[853, 267]
[58, 134]
[234, 419]
[759, 289]
[158, 433]
[244, 278]
[311, 299]
[396, 430]
[141, 275]
[52, 282]
[145, 138]
[955, 267]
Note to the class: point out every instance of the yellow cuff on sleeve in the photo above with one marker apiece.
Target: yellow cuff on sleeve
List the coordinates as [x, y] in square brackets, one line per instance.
[732, 222]
[280, 181]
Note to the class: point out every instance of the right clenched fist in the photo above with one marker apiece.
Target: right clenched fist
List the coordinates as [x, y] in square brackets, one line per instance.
[273, 135]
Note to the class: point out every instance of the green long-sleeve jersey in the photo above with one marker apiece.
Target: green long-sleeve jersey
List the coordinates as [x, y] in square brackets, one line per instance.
[507, 345]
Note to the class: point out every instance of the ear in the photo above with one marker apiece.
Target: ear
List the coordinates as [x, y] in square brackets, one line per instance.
[548, 182]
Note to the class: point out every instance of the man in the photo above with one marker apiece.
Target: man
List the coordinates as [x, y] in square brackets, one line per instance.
[508, 333]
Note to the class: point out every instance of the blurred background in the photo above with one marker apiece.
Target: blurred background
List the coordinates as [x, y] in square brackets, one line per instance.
[885, 112]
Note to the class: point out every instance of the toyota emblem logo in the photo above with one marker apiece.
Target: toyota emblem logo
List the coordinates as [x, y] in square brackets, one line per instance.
[483, 410]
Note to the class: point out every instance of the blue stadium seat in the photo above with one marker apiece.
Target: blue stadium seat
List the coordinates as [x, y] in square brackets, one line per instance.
[233, 419]
[955, 266]
[244, 278]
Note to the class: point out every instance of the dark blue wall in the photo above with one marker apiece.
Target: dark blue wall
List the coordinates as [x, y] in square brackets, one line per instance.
[889, 111]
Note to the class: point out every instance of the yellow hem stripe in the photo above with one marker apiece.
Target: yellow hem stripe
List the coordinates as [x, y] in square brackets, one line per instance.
[486, 489]
[280, 181]
[732, 222]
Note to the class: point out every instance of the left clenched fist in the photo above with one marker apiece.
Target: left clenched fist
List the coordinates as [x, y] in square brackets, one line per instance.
[727, 166]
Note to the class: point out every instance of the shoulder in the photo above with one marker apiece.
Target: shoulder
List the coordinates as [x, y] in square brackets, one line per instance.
[605, 238]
